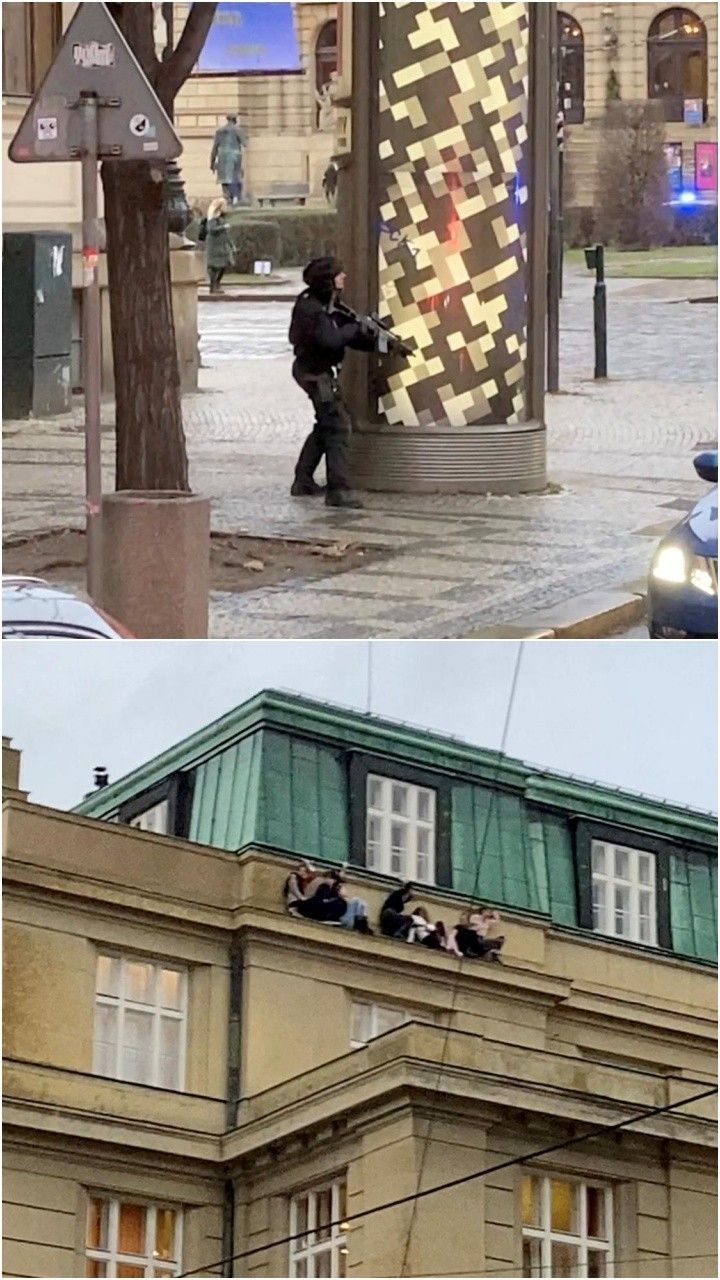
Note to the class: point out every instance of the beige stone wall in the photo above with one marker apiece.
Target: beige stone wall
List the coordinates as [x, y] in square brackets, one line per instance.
[498, 1061]
[277, 113]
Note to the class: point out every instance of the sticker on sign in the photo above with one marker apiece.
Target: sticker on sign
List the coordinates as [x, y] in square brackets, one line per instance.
[47, 128]
[140, 126]
[94, 54]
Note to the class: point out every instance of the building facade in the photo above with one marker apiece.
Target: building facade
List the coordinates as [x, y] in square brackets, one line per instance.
[192, 1074]
[640, 51]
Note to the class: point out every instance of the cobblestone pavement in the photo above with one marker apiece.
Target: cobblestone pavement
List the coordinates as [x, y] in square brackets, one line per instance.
[620, 453]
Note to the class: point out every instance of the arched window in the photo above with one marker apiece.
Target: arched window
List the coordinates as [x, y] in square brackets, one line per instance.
[571, 68]
[677, 60]
[326, 55]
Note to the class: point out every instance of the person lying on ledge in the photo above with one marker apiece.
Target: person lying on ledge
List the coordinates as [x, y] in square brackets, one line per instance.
[314, 896]
[470, 937]
[425, 933]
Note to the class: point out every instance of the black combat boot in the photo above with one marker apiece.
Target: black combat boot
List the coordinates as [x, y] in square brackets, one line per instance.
[342, 498]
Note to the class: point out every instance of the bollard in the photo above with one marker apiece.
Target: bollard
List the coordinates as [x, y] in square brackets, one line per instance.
[595, 260]
[156, 563]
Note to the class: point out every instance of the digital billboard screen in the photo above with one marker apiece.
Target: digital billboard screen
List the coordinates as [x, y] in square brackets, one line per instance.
[251, 37]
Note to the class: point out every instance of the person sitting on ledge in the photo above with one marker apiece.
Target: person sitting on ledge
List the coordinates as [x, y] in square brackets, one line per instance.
[470, 936]
[394, 921]
[422, 931]
[324, 898]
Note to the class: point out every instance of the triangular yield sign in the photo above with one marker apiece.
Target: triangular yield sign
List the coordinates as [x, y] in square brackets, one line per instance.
[94, 57]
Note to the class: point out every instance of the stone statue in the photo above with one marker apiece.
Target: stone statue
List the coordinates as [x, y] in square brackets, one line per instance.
[226, 159]
[326, 115]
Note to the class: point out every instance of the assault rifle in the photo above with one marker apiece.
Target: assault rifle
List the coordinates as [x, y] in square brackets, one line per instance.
[373, 327]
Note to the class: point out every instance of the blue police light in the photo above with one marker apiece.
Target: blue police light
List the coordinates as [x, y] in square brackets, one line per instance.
[687, 198]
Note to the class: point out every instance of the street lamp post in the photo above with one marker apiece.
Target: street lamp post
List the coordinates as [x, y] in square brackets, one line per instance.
[179, 211]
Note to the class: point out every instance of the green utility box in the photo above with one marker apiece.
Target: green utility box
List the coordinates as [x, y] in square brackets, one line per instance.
[37, 323]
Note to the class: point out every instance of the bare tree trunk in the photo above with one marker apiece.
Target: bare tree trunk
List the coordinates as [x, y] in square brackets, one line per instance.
[150, 441]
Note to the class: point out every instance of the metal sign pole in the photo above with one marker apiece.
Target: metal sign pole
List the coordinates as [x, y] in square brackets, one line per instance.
[92, 371]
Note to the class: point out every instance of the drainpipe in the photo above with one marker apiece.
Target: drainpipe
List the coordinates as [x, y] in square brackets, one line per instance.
[233, 1092]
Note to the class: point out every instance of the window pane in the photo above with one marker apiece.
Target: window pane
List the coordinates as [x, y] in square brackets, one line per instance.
[165, 1235]
[131, 1229]
[398, 839]
[644, 868]
[598, 904]
[170, 1030]
[171, 988]
[342, 1204]
[97, 1224]
[95, 1268]
[108, 976]
[530, 1201]
[300, 1267]
[598, 858]
[374, 793]
[399, 800]
[563, 1206]
[596, 1213]
[139, 982]
[129, 1269]
[359, 1029]
[423, 806]
[342, 1262]
[137, 1047]
[423, 841]
[323, 1214]
[106, 1024]
[694, 75]
[372, 849]
[597, 1263]
[301, 1222]
[565, 1259]
[532, 1258]
[622, 867]
[622, 910]
[322, 1263]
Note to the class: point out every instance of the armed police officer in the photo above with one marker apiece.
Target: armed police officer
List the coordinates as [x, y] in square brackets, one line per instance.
[321, 329]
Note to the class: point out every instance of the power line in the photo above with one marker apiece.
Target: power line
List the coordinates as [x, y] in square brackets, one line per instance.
[459, 970]
[601, 1131]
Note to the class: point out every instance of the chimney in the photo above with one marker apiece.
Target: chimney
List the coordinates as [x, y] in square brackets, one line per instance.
[11, 770]
[100, 777]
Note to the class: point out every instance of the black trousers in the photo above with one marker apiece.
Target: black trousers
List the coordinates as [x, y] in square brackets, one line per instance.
[329, 437]
[216, 274]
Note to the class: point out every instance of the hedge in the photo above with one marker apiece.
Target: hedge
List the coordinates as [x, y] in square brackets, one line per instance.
[690, 226]
[298, 234]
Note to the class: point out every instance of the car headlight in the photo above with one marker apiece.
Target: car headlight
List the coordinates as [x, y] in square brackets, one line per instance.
[670, 565]
[701, 577]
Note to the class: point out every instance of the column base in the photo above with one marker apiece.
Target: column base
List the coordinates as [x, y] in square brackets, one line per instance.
[483, 459]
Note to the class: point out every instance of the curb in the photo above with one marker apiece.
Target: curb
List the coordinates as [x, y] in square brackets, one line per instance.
[595, 616]
[247, 297]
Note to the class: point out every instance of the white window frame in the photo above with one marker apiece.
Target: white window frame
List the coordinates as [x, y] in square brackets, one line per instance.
[607, 881]
[159, 1011]
[305, 1250]
[111, 1257]
[373, 1012]
[154, 819]
[581, 1241]
[379, 853]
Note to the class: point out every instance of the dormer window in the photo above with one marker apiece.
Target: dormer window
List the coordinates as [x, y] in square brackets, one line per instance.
[153, 819]
[400, 833]
[623, 892]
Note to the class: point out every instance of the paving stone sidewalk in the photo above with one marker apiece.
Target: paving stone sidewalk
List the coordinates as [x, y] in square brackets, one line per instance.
[619, 452]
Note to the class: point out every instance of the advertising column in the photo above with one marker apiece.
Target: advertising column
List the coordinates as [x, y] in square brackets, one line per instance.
[447, 116]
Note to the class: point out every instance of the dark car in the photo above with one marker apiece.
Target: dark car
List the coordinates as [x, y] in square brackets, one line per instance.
[33, 609]
[683, 585]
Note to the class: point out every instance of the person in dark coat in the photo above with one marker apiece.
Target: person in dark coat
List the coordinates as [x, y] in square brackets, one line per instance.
[394, 921]
[219, 247]
[319, 335]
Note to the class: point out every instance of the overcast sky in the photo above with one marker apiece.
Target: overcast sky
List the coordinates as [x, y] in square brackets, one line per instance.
[637, 715]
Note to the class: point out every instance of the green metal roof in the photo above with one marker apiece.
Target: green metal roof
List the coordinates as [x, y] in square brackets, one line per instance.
[343, 728]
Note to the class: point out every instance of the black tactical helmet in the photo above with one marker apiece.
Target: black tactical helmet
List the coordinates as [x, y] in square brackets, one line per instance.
[319, 276]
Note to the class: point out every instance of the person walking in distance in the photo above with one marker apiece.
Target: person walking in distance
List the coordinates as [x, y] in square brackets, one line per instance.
[218, 243]
[320, 333]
